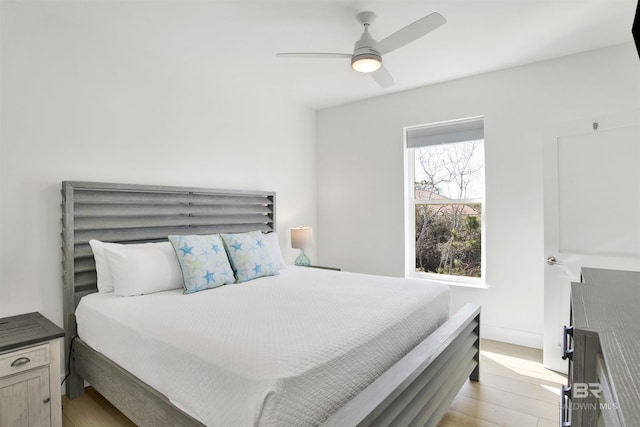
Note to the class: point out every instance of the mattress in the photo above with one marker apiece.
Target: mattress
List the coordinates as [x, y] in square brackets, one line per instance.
[276, 351]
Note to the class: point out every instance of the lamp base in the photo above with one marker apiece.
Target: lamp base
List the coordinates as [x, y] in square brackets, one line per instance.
[303, 260]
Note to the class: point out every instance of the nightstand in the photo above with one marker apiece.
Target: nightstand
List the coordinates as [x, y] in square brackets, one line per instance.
[30, 371]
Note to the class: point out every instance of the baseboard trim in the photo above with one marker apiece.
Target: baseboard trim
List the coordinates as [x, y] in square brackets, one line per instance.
[512, 336]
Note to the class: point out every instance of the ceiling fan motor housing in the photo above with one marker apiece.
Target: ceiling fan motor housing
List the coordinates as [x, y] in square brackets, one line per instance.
[363, 52]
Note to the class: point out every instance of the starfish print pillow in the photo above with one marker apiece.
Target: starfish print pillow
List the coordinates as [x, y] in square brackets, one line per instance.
[203, 261]
[249, 255]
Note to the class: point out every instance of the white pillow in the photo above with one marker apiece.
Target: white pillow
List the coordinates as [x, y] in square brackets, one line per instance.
[273, 245]
[105, 280]
[143, 268]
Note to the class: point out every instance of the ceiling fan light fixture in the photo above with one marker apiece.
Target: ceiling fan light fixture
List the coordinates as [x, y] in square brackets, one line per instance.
[366, 62]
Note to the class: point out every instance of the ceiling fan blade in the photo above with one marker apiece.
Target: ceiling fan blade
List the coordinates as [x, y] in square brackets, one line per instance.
[313, 55]
[382, 76]
[410, 33]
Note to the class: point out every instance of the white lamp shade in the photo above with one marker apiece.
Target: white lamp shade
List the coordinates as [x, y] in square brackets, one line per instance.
[301, 237]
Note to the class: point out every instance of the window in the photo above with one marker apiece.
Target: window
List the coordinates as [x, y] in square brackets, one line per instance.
[445, 203]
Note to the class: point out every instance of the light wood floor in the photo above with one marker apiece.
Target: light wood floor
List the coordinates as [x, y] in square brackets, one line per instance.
[514, 390]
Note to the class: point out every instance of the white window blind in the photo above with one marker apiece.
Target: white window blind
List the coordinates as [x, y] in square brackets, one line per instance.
[446, 133]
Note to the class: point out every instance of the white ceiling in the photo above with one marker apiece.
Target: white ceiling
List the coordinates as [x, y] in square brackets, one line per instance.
[234, 42]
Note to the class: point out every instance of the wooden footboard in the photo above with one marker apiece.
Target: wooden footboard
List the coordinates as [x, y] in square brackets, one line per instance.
[417, 390]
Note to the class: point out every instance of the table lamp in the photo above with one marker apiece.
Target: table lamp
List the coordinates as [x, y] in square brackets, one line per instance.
[301, 238]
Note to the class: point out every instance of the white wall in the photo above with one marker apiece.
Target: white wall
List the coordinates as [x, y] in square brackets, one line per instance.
[77, 105]
[361, 173]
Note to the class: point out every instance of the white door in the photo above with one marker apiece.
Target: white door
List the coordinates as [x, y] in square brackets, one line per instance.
[591, 211]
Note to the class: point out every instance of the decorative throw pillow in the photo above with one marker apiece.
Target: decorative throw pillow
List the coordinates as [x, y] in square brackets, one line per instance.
[271, 240]
[249, 255]
[203, 261]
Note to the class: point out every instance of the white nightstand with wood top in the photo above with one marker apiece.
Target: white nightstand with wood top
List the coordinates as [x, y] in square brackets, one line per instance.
[30, 371]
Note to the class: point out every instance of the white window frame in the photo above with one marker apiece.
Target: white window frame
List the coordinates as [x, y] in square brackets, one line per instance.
[410, 207]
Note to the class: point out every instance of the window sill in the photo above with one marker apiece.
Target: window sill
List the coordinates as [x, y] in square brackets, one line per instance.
[475, 284]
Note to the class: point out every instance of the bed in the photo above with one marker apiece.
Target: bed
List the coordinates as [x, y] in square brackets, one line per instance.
[416, 388]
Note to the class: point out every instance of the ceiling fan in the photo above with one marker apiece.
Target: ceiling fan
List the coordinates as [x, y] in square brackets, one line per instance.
[367, 52]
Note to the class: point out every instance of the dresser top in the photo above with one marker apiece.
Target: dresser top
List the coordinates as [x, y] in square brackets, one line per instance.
[603, 277]
[26, 329]
[621, 351]
[607, 303]
[606, 306]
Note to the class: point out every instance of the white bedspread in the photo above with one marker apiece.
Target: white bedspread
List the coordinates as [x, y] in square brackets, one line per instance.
[276, 351]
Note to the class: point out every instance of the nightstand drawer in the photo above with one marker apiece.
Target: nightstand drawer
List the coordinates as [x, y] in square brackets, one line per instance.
[24, 359]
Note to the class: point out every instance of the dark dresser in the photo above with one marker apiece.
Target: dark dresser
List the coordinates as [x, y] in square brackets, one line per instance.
[602, 345]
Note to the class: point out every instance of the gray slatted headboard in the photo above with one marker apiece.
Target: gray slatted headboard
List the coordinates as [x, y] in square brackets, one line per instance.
[126, 213]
